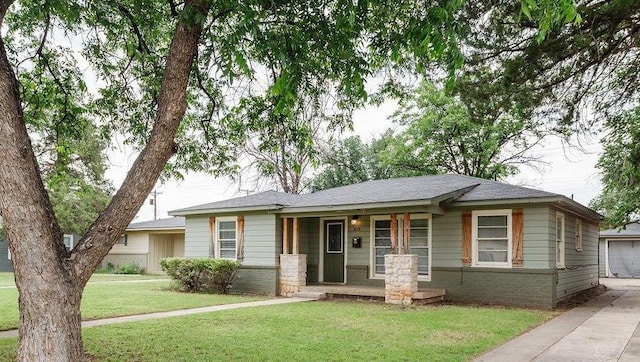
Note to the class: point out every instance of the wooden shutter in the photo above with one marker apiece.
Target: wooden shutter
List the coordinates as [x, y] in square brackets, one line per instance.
[406, 232]
[517, 237]
[466, 238]
[212, 235]
[240, 238]
[394, 234]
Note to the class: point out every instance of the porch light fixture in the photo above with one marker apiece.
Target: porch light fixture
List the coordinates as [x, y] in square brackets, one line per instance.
[354, 220]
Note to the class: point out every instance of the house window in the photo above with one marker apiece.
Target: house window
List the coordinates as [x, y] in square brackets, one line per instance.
[123, 240]
[559, 240]
[491, 238]
[419, 242]
[381, 242]
[226, 235]
[68, 241]
[578, 235]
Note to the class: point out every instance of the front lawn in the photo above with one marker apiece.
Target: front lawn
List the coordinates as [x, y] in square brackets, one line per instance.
[309, 331]
[118, 298]
[6, 278]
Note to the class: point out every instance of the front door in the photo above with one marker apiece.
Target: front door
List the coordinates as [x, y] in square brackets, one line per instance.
[334, 251]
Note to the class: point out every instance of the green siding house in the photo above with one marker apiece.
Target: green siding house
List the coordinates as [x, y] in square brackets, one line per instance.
[479, 240]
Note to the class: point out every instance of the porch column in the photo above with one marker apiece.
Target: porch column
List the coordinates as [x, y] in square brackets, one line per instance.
[296, 239]
[293, 273]
[285, 235]
[293, 267]
[400, 278]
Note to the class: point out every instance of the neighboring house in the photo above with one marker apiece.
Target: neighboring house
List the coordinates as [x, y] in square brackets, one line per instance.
[620, 252]
[5, 255]
[145, 243]
[480, 240]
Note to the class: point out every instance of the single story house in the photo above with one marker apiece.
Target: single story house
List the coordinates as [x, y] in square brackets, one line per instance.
[479, 240]
[620, 252]
[145, 243]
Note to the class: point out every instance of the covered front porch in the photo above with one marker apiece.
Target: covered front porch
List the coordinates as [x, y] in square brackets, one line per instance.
[358, 255]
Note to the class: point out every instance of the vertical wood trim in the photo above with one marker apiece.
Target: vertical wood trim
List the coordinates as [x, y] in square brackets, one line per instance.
[285, 235]
[296, 239]
[466, 238]
[406, 233]
[240, 236]
[394, 234]
[517, 239]
[212, 237]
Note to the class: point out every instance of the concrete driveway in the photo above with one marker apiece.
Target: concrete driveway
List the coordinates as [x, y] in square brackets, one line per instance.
[603, 329]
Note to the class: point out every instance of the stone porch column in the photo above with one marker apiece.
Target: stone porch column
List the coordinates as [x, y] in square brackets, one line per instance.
[293, 273]
[401, 278]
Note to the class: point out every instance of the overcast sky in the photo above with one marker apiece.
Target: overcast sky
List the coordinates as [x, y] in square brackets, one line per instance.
[568, 172]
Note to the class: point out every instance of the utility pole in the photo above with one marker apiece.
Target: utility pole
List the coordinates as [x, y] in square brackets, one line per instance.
[154, 202]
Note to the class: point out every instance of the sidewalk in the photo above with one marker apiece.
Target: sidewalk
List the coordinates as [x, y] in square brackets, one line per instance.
[603, 329]
[175, 313]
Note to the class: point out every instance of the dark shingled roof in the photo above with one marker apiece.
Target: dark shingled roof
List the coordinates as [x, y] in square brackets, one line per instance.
[267, 199]
[629, 230]
[434, 188]
[176, 222]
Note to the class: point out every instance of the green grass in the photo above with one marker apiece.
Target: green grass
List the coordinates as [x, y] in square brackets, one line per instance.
[6, 279]
[109, 299]
[337, 331]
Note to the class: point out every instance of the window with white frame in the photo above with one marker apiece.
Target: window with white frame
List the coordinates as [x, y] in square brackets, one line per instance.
[578, 235]
[419, 242]
[226, 238]
[381, 235]
[559, 240]
[491, 238]
[68, 241]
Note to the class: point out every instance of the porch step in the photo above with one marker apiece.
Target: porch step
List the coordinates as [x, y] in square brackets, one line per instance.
[428, 294]
[422, 296]
[311, 295]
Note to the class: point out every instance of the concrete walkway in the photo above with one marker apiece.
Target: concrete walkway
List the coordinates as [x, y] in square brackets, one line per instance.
[176, 313]
[603, 329]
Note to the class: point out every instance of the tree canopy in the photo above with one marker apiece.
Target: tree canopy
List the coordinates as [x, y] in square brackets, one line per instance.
[620, 168]
[441, 134]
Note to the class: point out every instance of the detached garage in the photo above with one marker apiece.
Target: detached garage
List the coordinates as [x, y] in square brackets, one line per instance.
[620, 252]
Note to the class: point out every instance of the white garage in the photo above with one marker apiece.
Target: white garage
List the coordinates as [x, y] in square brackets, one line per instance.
[620, 252]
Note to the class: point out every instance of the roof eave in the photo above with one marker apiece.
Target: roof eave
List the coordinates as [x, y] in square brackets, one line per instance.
[559, 199]
[360, 206]
[225, 210]
[155, 228]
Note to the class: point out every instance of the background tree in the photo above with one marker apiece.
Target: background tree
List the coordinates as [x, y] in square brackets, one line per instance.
[620, 168]
[350, 161]
[441, 134]
[280, 152]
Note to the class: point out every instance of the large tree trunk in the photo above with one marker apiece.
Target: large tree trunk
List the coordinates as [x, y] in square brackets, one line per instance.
[50, 279]
[50, 323]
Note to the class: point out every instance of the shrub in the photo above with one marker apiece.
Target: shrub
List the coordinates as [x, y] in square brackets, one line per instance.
[131, 268]
[107, 269]
[201, 274]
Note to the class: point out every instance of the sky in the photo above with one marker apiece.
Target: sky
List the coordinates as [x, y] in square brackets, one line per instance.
[568, 171]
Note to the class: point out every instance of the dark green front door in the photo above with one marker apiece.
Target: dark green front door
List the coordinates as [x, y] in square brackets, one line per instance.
[334, 251]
